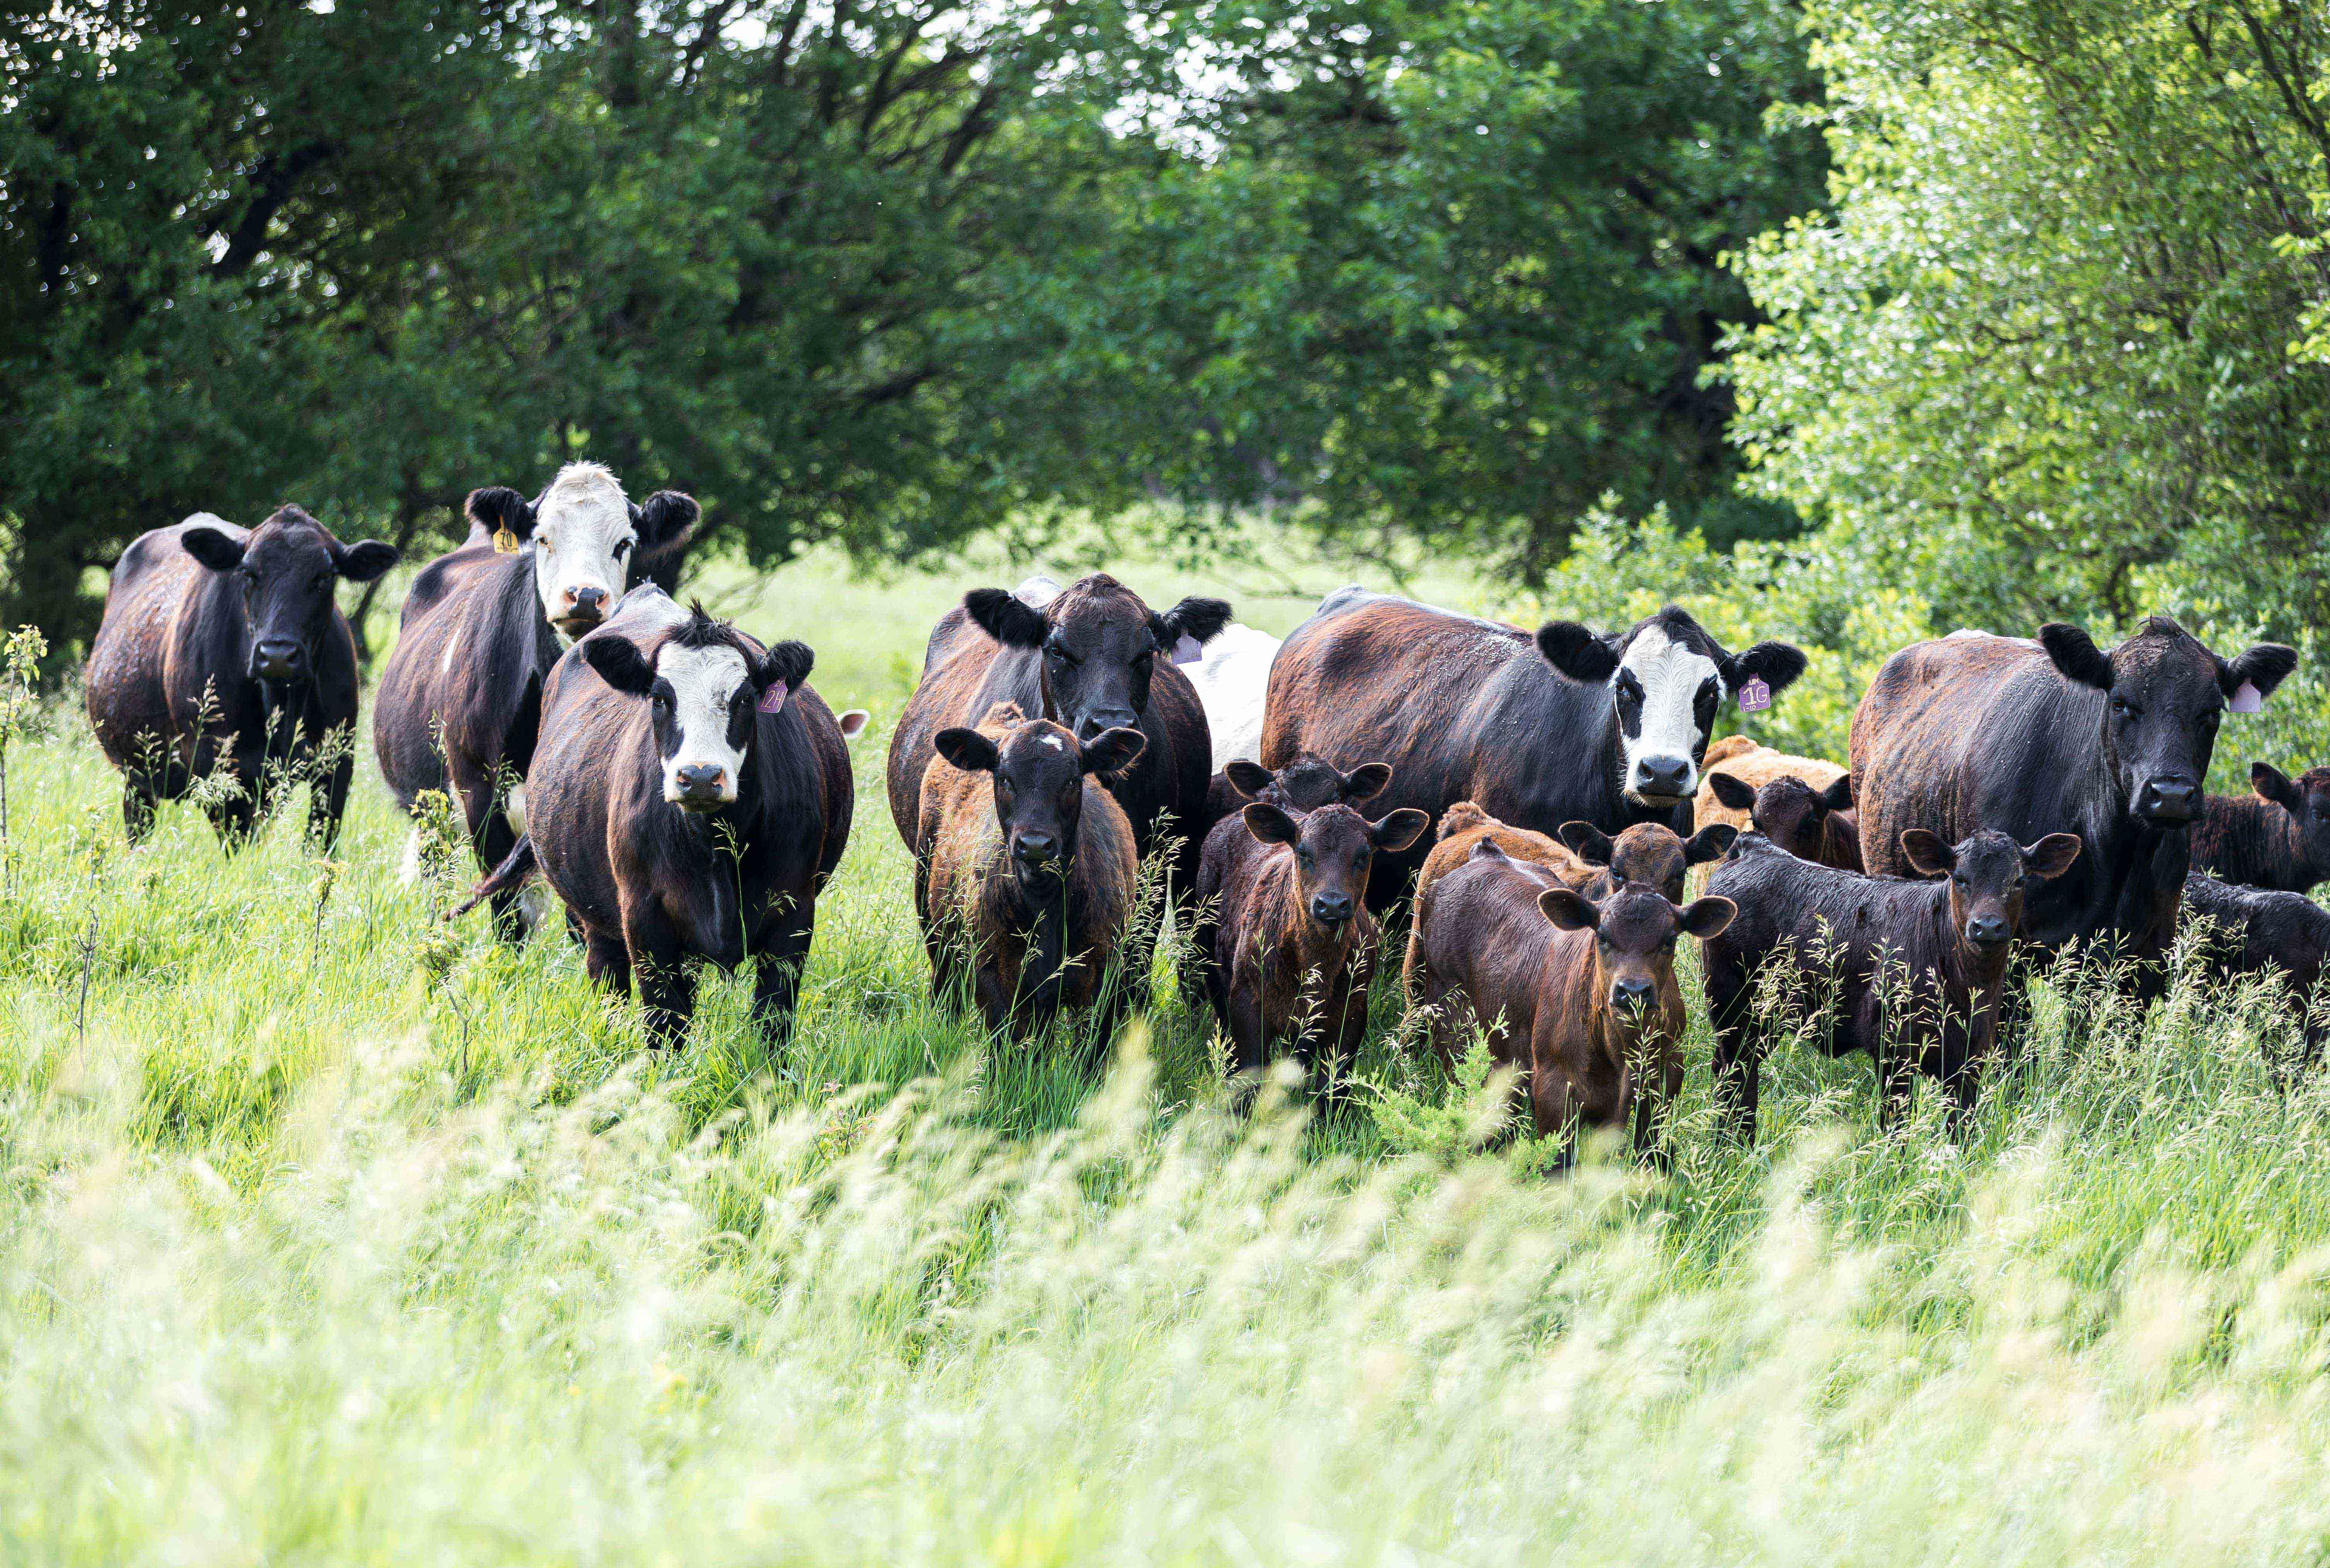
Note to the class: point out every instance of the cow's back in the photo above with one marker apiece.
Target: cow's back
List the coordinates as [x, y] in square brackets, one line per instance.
[955, 665]
[1484, 936]
[455, 683]
[147, 636]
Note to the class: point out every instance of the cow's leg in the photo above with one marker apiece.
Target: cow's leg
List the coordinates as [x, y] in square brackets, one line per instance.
[666, 993]
[605, 958]
[138, 797]
[1651, 1108]
[777, 976]
[1738, 1052]
[234, 816]
[492, 837]
[328, 803]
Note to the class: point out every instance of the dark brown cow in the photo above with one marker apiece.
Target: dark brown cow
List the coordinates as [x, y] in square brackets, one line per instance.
[1303, 785]
[1579, 994]
[2053, 735]
[1027, 873]
[1290, 949]
[2252, 931]
[222, 651]
[689, 799]
[2277, 837]
[1816, 826]
[1093, 657]
[1573, 726]
[460, 700]
[1915, 969]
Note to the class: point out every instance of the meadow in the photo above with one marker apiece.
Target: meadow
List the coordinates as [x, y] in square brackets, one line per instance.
[333, 1233]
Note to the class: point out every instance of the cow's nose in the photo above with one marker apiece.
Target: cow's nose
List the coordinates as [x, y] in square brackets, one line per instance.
[2167, 799]
[1034, 848]
[1987, 931]
[701, 781]
[1630, 992]
[278, 657]
[1095, 725]
[586, 603]
[1665, 776]
[1330, 909]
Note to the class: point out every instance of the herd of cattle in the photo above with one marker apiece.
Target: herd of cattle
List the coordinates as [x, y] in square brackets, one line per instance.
[1536, 804]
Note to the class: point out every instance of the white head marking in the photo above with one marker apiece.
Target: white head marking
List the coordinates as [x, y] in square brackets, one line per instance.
[1663, 729]
[583, 542]
[704, 684]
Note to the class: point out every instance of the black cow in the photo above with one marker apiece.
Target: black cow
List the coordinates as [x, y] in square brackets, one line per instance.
[2278, 836]
[2055, 736]
[222, 650]
[2262, 930]
[460, 700]
[1578, 725]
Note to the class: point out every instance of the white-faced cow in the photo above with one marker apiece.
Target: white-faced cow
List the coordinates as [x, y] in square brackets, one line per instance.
[222, 650]
[461, 699]
[2053, 735]
[1605, 728]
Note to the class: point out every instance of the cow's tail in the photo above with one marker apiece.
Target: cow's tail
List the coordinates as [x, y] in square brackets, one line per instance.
[507, 877]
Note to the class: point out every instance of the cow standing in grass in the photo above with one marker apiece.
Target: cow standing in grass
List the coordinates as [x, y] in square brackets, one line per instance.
[459, 705]
[2253, 930]
[223, 652]
[1605, 728]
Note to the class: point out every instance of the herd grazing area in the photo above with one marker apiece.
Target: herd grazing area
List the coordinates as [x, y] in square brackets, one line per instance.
[335, 1233]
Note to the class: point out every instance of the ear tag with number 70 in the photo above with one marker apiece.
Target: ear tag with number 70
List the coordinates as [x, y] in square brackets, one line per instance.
[504, 541]
[1755, 696]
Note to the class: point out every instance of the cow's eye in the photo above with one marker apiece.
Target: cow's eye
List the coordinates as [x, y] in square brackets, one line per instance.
[2122, 708]
[622, 548]
[1059, 655]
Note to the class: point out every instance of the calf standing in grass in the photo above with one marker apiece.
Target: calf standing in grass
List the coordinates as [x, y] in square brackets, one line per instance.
[2258, 931]
[2276, 837]
[1026, 869]
[1290, 952]
[1918, 966]
[1579, 992]
[1812, 825]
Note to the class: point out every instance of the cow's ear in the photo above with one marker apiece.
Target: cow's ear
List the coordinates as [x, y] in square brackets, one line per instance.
[1006, 617]
[1199, 620]
[853, 722]
[1568, 909]
[2273, 785]
[217, 551]
[2076, 654]
[497, 506]
[1577, 651]
[1712, 841]
[2052, 856]
[1838, 795]
[1271, 824]
[1248, 778]
[1732, 792]
[1775, 664]
[968, 750]
[1400, 829]
[787, 664]
[1365, 781]
[365, 559]
[665, 521]
[1586, 842]
[1926, 854]
[1707, 917]
[619, 664]
[2264, 666]
[1111, 750]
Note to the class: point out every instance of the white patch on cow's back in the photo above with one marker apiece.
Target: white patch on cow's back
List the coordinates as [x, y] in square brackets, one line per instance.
[1233, 679]
[1671, 674]
[579, 523]
[452, 647]
[704, 680]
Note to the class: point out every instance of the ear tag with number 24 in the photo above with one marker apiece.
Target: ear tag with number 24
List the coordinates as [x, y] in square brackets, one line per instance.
[1755, 696]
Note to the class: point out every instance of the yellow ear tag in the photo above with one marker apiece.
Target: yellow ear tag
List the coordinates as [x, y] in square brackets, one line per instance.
[504, 541]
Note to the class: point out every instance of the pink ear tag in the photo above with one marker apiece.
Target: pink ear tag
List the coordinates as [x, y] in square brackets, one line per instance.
[2248, 700]
[772, 701]
[1755, 696]
[1188, 651]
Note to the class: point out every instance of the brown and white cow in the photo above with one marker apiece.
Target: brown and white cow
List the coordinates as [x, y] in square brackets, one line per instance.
[222, 651]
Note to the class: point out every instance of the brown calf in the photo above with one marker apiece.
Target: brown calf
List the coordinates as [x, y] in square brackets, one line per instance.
[1818, 825]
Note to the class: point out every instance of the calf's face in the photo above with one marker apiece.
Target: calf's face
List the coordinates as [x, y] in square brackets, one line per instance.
[1039, 773]
[704, 686]
[2165, 695]
[1635, 934]
[1786, 810]
[1648, 854]
[1334, 849]
[1667, 679]
[586, 539]
[1990, 875]
[1099, 646]
[286, 572]
[1310, 781]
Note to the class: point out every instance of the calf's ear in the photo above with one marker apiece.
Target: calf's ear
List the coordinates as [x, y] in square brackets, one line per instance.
[968, 750]
[1712, 841]
[853, 722]
[1586, 842]
[619, 664]
[1707, 917]
[1271, 824]
[1199, 620]
[1111, 750]
[1838, 796]
[1006, 617]
[2264, 666]
[1568, 909]
[1248, 778]
[2052, 856]
[1732, 792]
[365, 559]
[1775, 664]
[666, 521]
[786, 664]
[497, 506]
[214, 549]
[2272, 784]
[1367, 781]
[2075, 654]
[1577, 651]
[1926, 854]
[1400, 829]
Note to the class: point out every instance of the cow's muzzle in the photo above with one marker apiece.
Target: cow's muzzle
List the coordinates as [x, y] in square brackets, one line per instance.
[700, 786]
[279, 658]
[2170, 802]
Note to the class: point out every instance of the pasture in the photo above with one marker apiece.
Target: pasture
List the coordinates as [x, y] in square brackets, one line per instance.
[332, 1233]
